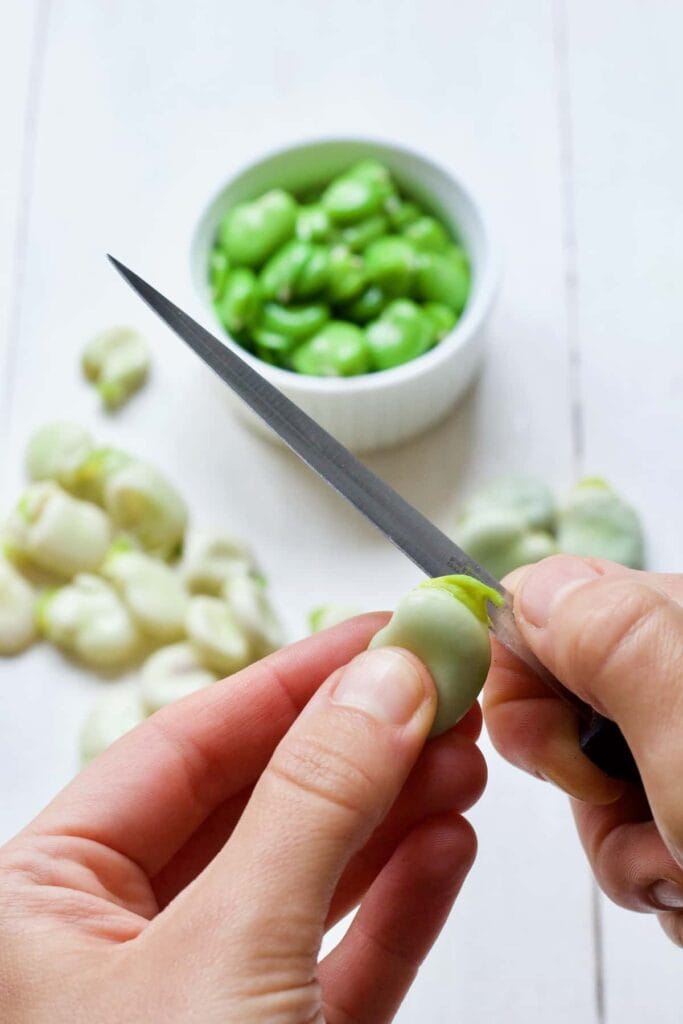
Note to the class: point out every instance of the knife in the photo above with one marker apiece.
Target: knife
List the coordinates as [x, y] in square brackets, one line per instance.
[430, 549]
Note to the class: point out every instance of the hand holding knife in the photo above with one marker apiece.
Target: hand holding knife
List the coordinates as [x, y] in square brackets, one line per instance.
[427, 546]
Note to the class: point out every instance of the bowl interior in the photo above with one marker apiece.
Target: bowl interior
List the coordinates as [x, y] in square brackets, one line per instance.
[305, 167]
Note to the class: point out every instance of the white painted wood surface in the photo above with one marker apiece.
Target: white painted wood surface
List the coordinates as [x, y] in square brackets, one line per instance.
[564, 117]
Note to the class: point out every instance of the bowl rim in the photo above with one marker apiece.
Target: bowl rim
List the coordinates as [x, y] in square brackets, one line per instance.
[464, 330]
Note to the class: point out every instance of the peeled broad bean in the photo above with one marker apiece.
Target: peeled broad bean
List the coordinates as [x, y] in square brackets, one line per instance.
[144, 505]
[293, 322]
[328, 615]
[347, 277]
[170, 674]
[442, 317]
[88, 619]
[90, 476]
[240, 300]
[444, 622]
[248, 602]
[368, 305]
[219, 265]
[501, 540]
[427, 235]
[279, 276]
[215, 636]
[390, 263]
[376, 174]
[117, 361]
[17, 604]
[596, 522]
[151, 591]
[338, 350]
[313, 224]
[349, 199]
[402, 333]
[212, 559]
[251, 231]
[113, 715]
[56, 450]
[444, 277]
[401, 213]
[359, 236]
[56, 532]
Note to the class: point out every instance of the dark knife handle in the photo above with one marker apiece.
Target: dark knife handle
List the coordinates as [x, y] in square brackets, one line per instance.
[602, 741]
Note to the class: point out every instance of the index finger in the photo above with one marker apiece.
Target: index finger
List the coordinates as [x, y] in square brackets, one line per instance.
[150, 791]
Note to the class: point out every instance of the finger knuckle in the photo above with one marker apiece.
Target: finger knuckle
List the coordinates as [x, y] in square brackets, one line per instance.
[318, 771]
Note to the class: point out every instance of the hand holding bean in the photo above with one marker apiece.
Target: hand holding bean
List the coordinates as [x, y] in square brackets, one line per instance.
[192, 869]
[614, 636]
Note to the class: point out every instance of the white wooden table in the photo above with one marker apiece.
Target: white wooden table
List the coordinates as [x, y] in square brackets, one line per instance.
[116, 120]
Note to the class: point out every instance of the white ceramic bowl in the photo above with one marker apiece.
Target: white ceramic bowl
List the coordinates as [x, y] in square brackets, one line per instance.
[381, 409]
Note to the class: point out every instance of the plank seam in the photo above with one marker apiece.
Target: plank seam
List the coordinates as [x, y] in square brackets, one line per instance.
[26, 176]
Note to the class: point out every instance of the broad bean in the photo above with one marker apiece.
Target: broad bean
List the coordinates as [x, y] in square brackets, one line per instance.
[390, 263]
[251, 231]
[170, 674]
[292, 322]
[17, 604]
[444, 277]
[427, 235]
[444, 622]
[501, 540]
[240, 300]
[596, 522]
[112, 716]
[313, 224]
[349, 199]
[144, 505]
[328, 615]
[215, 636]
[56, 532]
[253, 613]
[359, 236]
[151, 591]
[347, 275]
[117, 361]
[338, 350]
[212, 559]
[56, 450]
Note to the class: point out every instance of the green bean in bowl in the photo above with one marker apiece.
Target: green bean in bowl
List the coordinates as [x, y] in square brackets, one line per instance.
[352, 278]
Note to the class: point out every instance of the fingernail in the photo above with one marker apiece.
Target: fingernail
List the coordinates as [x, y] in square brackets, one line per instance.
[667, 895]
[546, 583]
[382, 683]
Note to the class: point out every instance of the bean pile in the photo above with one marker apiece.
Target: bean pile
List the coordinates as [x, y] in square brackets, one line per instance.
[356, 279]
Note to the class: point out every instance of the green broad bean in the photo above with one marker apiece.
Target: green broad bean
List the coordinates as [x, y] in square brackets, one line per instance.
[56, 450]
[347, 276]
[279, 276]
[443, 318]
[527, 498]
[17, 604]
[328, 615]
[376, 174]
[170, 674]
[151, 591]
[219, 265]
[401, 334]
[359, 236]
[349, 199]
[251, 231]
[117, 362]
[444, 622]
[216, 639]
[55, 532]
[390, 263]
[427, 235]
[315, 273]
[596, 522]
[295, 323]
[313, 224]
[444, 277]
[338, 350]
[272, 343]
[368, 305]
[240, 302]
[501, 540]
[401, 213]
[410, 315]
[113, 715]
[87, 619]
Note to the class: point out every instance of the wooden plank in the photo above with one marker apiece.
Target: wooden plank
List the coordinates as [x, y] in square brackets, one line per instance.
[21, 44]
[626, 101]
[148, 108]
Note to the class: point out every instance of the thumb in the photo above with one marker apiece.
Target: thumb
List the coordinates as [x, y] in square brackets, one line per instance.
[329, 783]
[616, 640]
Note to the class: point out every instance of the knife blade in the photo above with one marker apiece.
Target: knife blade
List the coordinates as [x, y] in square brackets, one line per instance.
[410, 531]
